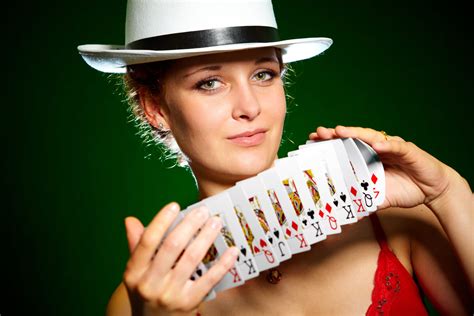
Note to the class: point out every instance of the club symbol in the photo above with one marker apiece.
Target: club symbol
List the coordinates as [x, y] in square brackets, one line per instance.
[365, 185]
[311, 214]
[305, 222]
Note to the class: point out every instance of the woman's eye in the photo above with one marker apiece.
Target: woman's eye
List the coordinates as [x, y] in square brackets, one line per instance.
[209, 84]
[264, 75]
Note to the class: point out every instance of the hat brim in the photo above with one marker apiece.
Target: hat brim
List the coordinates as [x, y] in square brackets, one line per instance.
[115, 59]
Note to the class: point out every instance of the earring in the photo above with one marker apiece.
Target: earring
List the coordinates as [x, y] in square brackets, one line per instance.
[160, 125]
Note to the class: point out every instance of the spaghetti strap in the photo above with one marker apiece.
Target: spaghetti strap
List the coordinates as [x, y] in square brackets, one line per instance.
[378, 231]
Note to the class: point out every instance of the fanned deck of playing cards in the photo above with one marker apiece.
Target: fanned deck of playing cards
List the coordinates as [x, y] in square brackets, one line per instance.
[303, 199]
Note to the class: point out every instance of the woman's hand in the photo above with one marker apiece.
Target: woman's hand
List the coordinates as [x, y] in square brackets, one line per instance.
[157, 277]
[412, 175]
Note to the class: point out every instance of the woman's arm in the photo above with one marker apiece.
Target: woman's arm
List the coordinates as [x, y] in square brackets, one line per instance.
[414, 177]
[454, 208]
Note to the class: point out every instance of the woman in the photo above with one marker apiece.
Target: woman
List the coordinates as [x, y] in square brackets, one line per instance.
[224, 106]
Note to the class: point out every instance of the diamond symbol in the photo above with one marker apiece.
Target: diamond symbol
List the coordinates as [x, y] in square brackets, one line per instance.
[294, 226]
[288, 232]
[353, 191]
[328, 208]
[374, 178]
[321, 214]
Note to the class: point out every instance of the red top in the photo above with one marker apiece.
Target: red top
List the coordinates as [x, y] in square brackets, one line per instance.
[395, 292]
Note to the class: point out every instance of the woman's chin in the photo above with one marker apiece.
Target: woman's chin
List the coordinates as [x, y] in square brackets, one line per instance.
[249, 166]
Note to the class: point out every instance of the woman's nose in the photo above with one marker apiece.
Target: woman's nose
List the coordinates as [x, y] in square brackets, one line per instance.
[246, 103]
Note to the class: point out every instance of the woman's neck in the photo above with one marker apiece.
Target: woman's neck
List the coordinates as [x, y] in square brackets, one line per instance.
[210, 182]
[208, 187]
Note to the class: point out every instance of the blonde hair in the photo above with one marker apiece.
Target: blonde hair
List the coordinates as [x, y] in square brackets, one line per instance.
[147, 78]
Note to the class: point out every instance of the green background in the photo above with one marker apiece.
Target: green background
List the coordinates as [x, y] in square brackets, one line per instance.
[74, 168]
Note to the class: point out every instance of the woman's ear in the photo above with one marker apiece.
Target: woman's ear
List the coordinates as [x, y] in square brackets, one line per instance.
[154, 109]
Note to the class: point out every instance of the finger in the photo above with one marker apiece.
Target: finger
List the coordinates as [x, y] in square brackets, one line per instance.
[367, 135]
[196, 251]
[325, 133]
[134, 230]
[149, 241]
[205, 284]
[176, 241]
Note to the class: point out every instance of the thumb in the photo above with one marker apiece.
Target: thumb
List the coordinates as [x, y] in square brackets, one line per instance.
[134, 230]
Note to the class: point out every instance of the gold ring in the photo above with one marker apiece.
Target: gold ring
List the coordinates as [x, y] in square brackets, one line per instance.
[384, 134]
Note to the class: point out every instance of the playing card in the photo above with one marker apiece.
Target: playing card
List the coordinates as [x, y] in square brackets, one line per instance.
[345, 208]
[350, 177]
[221, 205]
[320, 187]
[295, 185]
[376, 170]
[361, 172]
[201, 268]
[233, 277]
[284, 211]
[262, 206]
[259, 244]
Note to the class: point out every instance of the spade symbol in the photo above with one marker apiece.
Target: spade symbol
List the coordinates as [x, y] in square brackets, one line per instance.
[243, 251]
[270, 239]
[192, 278]
[199, 272]
[365, 185]
[311, 214]
[277, 234]
[335, 202]
[343, 197]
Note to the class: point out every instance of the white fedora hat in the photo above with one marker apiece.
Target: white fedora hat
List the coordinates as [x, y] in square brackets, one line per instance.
[170, 29]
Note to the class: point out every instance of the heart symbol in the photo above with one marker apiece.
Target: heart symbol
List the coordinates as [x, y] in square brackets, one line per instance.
[335, 202]
[263, 243]
[255, 249]
[243, 251]
[343, 197]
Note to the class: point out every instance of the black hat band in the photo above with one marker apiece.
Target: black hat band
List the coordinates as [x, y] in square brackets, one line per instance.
[208, 38]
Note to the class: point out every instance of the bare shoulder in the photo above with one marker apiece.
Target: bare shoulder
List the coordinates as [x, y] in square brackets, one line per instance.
[119, 304]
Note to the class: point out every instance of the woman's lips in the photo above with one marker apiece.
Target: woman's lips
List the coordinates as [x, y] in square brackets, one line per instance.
[250, 138]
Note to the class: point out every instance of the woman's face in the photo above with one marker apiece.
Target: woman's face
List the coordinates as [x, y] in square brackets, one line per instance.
[226, 111]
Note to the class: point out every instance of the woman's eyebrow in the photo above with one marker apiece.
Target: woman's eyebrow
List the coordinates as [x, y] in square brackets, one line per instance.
[218, 67]
[266, 59]
[213, 67]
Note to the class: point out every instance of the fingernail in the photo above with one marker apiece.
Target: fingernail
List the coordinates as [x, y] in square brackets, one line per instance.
[174, 207]
[216, 222]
